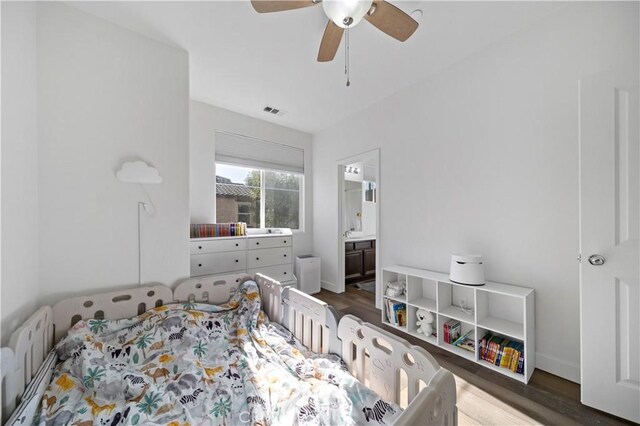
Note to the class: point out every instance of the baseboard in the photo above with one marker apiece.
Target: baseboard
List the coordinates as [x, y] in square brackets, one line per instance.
[553, 365]
[329, 286]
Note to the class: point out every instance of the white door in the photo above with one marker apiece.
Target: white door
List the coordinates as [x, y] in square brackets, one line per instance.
[609, 227]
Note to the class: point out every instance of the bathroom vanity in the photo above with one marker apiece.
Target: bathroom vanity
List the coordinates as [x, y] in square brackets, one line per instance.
[359, 260]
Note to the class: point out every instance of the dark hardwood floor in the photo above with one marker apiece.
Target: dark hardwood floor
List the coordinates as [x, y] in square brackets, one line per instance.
[484, 396]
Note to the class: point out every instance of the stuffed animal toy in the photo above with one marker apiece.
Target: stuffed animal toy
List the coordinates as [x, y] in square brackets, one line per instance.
[424, 323]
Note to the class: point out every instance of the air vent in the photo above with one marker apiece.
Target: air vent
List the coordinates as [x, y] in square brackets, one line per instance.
[274, 111]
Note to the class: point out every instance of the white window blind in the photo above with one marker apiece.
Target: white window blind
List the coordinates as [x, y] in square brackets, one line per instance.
[257, 153]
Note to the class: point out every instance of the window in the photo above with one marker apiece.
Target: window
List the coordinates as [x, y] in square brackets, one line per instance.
[260, 198]
[244, 211]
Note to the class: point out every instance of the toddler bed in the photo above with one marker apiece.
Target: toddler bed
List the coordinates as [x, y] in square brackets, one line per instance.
[216, 358]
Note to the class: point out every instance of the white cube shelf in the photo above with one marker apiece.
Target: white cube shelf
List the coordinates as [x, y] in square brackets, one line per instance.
[422, 292]
[501, 309]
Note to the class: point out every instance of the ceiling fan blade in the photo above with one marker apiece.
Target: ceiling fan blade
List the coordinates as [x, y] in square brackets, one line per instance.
[391, 20]
[330, 42]
[267, 6]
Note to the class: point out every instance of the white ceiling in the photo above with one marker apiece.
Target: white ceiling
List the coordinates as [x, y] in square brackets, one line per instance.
[241, 60]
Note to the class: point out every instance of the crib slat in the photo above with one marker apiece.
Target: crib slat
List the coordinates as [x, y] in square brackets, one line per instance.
[347, 356]
[291, 319]
[307, 332]
[315, 338]
[299, 325]
[360, 363]
[293, 315]
[325, 340]
[412, 388]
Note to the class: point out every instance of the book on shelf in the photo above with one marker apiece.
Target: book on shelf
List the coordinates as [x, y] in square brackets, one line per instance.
[494, 348]
[519, 368]
[467, 341]
[396, 313]
[509, 355]
[502, 352]
[400, 310]
[209, 230]
[401, 317]
[451, 331]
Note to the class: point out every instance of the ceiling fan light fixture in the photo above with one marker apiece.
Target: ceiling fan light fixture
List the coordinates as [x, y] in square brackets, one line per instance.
[346, 12]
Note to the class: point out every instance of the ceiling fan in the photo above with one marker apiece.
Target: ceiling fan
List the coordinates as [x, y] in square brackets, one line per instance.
[344, 14]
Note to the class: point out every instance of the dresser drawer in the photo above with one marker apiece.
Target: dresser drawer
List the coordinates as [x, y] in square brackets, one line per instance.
[268, 242]
[268, 257]
[217, 263]
[217, 246]
[279, 273]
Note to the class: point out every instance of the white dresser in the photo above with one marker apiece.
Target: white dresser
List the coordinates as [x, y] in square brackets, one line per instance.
[260, 251]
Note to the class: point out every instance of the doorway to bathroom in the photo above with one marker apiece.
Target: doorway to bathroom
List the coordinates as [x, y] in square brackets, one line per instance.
[358, 225]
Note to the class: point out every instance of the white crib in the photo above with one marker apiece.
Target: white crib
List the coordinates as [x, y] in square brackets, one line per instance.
[386, 363]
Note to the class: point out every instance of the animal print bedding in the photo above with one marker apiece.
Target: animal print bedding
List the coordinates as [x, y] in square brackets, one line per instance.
[189, 364]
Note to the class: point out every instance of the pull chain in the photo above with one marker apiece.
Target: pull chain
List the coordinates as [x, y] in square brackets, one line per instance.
[346, 55]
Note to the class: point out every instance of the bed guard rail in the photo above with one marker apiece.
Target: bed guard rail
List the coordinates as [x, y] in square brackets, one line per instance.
[28, 348]
[312, 322]
[400, 372]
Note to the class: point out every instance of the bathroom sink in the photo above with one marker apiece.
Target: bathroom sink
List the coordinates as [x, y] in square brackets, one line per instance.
[357, 236]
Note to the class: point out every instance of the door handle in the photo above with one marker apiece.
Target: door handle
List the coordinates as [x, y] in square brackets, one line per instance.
[596, 260]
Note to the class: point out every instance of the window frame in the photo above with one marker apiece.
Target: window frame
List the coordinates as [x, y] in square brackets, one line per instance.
[301, 197]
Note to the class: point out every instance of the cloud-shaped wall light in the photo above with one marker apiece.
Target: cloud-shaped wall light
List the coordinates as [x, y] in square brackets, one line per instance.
[138, 172]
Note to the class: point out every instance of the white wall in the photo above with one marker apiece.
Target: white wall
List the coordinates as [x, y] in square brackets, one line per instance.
[19, 166]
[204, 120]
[106, 95]
[483, 158]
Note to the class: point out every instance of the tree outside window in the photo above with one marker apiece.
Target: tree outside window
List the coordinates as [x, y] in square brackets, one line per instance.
[241, 192]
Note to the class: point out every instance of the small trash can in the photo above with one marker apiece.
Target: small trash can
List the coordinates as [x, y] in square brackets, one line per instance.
[308, 273]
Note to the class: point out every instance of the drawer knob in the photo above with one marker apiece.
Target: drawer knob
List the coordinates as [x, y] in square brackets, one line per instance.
[285, 241]
[285, 273]
[199, 247]
[257, 258]
[236, 260]
[258, 243]
[236, 244]
[199, 265]
[285, 255]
